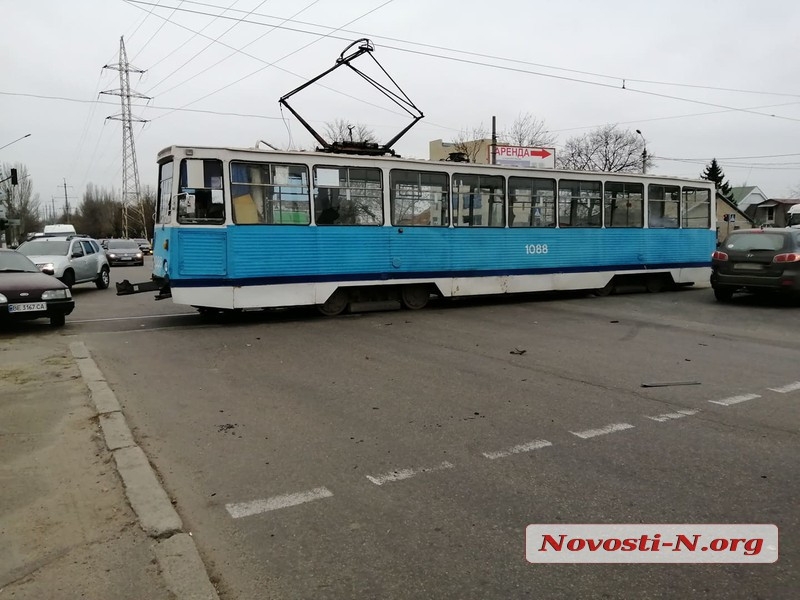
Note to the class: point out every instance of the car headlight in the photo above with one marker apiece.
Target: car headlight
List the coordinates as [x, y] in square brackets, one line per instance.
[138, 255]
[112, 255]
[48, 268]
[3, 299]
[56, 295]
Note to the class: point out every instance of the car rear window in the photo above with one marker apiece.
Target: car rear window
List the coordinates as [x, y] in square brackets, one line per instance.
[757, 241]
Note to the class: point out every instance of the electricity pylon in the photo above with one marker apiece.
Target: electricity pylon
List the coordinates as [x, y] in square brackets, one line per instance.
[130, 171]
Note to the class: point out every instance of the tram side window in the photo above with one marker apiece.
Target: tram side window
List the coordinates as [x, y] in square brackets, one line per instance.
[418, 198]
[347, 196]
[165, 207]
[531, 202]
[478, 200]
[623, 204]
[272, 194]
[579, 203]
[200, 200]
[696, 208]
[663, 206]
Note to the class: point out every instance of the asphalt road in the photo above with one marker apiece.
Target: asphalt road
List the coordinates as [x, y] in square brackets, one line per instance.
[402, 454]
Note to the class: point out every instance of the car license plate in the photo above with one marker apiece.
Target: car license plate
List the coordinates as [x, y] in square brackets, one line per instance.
[748, 267]
[127, 258]
[27, 307]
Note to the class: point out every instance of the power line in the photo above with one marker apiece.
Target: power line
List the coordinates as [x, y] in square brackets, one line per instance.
[273, 64]
[155, 33]
[229, 55]
[169, 108]
[501, 67]
[620, 79]
[197, 54]
[168, 54]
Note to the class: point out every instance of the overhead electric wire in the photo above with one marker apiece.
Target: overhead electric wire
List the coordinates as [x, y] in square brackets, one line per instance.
[169, 108]
[684, 116]
[273, 64]
[206, 26]
[233, 53]
[621, 79]
[155, 33]
[207, 46]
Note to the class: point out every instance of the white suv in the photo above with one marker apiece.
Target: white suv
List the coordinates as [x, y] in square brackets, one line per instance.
[72, 259]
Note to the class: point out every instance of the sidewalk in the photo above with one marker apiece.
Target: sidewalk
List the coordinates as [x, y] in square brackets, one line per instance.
[67, 529]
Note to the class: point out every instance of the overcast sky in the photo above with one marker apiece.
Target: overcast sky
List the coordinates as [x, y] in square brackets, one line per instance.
[699, 79]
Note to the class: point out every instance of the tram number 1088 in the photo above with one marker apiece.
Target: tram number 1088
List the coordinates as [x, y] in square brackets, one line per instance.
[535, 248]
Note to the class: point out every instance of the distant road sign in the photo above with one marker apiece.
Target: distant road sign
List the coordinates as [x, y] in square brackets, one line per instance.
[525, 156]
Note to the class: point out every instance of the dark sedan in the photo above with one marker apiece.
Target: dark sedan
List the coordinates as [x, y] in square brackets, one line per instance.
[27, 293]
[757, 261]
[124, 252]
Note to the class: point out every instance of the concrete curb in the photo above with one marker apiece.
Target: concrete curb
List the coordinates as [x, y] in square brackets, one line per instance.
[181, 566]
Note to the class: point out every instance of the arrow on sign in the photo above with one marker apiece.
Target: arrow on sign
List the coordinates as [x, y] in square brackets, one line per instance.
[540, 153]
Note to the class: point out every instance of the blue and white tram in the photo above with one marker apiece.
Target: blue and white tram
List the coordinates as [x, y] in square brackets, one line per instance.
[251, 228]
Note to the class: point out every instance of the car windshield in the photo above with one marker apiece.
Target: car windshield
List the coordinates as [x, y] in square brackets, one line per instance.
[14, 262]
[141, 241]
[122, 245]
[44, 248]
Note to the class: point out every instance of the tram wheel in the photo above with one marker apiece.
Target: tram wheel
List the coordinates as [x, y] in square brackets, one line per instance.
[415, 297]
[656, 283]
[336, 304]
[606, 290]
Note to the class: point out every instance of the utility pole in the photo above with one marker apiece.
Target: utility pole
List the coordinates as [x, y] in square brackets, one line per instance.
[66, 200]
[644, 153]
[130, 170]
[494, 140]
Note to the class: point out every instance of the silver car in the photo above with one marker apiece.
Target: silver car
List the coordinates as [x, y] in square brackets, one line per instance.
[72, 259]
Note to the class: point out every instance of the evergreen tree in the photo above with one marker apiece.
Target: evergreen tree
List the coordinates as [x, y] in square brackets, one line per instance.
[714, 173]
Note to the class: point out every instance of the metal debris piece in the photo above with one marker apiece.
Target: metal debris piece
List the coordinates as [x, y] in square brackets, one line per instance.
[670, 383]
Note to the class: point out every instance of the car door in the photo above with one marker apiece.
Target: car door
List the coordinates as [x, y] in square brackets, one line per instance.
[92, 268]
[78, 261]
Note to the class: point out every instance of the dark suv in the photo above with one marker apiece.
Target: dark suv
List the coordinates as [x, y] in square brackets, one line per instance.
[757, 260]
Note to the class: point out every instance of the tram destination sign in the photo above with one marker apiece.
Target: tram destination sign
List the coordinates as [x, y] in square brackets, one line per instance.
[525, 156]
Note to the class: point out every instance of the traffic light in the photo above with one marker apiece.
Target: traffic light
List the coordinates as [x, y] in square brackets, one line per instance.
[3, 223]
[14, 179]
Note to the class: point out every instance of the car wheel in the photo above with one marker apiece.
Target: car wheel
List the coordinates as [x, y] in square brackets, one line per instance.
[58, 320]
[68, 279]
[103, 279]
[723, 294]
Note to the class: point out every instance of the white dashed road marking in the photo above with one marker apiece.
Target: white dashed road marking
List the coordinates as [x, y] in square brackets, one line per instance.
[534, 445]
[407, 473]
[735, 399]
[590, 433]
[678, 414]
[792, 387]
[245, 509]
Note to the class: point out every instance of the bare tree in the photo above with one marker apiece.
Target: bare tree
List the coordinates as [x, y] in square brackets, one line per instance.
[472, 142]
[141, 215]
[19, 201]
[342, 131]
[99, 213]
[606, 148]
[527, 130]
